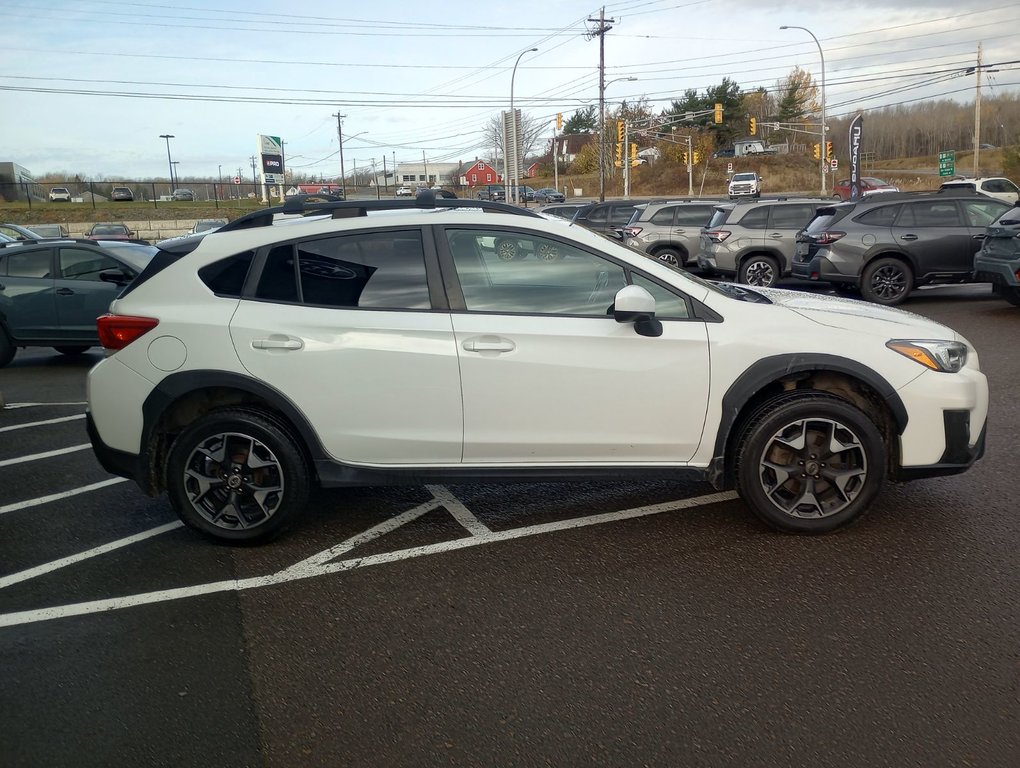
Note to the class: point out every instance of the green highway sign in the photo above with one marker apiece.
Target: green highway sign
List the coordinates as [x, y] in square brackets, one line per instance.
[947, 163]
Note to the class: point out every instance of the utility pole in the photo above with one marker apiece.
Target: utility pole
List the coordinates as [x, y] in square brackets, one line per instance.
[600, 32]
[690, 167]
[254, 180]
[340, 139]
[626, 157]
[426, 164]
[384, 177]
[977, 114]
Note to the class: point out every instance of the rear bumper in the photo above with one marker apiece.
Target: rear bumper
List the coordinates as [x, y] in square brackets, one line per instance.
[1001, 273]
[113, 461]
[819, 268]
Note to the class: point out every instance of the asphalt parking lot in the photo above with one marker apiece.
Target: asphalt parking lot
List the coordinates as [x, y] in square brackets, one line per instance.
[599, 624]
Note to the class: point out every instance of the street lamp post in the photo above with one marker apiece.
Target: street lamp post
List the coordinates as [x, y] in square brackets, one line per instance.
[513, 130]
[602, 134]
[821, 55]
[169, 162]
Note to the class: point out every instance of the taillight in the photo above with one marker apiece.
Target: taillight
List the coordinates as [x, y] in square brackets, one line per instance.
[117, 331]
[631, 231]
[716, 235]
[825, 238]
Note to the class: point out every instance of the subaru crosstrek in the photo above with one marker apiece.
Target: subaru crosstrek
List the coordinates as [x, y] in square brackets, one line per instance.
[352, 347]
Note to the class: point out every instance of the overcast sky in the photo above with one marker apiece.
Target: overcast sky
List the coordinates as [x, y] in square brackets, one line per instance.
[424, 77]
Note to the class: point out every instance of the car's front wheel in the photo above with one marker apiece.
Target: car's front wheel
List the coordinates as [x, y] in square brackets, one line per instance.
[7, 348]
[887, 281]
[506, 249]
[237, 475]
[809, 462]
[762, 271]
[1012, 295]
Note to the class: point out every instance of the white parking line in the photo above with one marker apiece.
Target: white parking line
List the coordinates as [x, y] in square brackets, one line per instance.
[56, 565]
[42, 423]
[294, 573]
[36, 405]
[58, 496]
[46, 455]
[460, 513]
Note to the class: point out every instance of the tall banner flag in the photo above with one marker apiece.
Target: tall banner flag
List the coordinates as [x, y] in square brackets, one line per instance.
[856, 130]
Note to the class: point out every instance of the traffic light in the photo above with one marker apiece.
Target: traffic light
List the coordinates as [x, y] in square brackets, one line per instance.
[633, 154]
[828, 150]
[754, 126]
[697, 157]
[685, 158]
[718, 113]
[619, 130]
[559, 121]
[619, 154]
[818, 151]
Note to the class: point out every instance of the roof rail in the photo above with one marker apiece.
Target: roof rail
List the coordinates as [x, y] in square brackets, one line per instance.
[320, 205]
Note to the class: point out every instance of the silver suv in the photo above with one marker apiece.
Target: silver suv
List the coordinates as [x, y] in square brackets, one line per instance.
[754, 241]
[669, 231]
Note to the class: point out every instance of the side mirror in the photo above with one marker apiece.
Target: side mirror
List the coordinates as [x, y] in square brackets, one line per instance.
[633, 304]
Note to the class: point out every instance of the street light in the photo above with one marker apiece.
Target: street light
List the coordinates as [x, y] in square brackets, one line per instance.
[602, 134]
[169, 162]
[821, 55]
[513, 130]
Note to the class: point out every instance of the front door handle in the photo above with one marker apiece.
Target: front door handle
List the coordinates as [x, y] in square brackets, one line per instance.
[908, 237]
[277, 342]
[488, 344]
[776, 235]
[64, 292]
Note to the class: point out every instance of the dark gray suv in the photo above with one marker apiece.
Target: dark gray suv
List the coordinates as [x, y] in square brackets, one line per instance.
[669, 231]
[886, 246]
[754, 241]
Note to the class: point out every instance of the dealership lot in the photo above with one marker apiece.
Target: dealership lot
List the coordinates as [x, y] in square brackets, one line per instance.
[615, 623]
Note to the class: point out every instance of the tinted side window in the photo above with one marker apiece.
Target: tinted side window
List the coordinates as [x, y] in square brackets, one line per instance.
[883, 216]
[378, 270]
[597, 215]
[693, 216]
[278, 281]
[30, 264]
[929, 213]
[756, 218]
[981, 213]
[664, 216]
[620, 214]
[542, 276]
[82, 264]
[791, 216]
[226, 276]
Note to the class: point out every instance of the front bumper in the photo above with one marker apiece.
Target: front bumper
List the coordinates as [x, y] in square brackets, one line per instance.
[958, 456]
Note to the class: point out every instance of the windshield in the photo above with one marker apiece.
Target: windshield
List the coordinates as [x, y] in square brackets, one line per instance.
[743, 177]
[135, 255]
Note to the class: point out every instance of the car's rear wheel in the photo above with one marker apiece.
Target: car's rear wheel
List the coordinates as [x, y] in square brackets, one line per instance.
[887, 281]
[762, 271]
[7, 348]
[671, 256]
[1012, 295]
[72, 351]
[548, 252]
[809, 462]
[237, 475]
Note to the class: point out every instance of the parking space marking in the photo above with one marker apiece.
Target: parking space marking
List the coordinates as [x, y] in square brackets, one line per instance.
[460, 513]
[320, 566]
[45, 455]
[42, 423]
[56, 565]
[37, 405]
[62, 495]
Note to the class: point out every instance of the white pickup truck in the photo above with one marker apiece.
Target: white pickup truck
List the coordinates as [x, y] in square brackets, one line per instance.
[745, 184]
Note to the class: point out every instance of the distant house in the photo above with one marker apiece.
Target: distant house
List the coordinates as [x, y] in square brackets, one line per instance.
[569, 145]
[533, 170]
[481, 173]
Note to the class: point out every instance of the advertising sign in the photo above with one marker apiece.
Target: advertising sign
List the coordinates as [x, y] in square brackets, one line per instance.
[271, 157]
[856, 130]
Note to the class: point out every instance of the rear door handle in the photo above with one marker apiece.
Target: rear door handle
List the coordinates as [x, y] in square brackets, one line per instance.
[277, 342]
[64, 292]
[488, 344]
[908, 237]
[776, 235]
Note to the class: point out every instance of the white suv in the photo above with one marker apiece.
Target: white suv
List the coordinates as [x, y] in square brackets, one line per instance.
[361, 347]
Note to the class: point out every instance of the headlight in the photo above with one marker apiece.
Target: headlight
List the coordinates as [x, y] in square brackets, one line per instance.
[944, 356]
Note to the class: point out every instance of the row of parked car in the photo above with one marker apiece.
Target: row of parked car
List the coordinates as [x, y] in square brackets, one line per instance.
[881, 246]
[118, 194]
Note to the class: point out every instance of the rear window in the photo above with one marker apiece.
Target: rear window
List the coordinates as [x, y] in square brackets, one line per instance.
[664, 216]
[719, 217]
[882, 216]
[825, 218]
[226, 276]
[693, 216]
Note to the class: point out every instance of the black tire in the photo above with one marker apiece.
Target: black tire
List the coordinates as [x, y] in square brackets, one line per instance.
[7, 348]
[506, 249]
[232, 499]
[887, 281]
[843, 483]
[72, 351]
[672, 256]
[760, 270]
[1012, 295]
